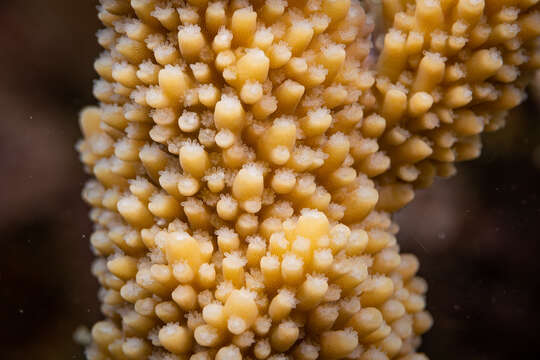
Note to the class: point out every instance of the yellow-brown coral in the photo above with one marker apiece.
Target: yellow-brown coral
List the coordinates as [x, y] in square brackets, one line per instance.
[248, 156]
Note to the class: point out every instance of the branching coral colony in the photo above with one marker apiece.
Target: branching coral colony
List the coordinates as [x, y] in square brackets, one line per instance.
[248, 156]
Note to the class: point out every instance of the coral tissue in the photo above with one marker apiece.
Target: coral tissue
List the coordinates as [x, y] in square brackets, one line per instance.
[247, 156]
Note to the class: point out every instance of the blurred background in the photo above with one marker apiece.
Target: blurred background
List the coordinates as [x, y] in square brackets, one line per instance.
[477, 234]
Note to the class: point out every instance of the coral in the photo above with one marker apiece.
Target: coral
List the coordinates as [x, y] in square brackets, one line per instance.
[248, 156]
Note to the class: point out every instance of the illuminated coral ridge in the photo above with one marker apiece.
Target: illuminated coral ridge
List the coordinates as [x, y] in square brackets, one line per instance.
[248, 156]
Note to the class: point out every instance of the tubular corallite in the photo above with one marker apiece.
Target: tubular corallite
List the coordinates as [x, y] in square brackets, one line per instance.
[247, 157]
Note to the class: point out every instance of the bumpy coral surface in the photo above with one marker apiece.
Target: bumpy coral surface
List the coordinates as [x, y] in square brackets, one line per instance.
[248, 155]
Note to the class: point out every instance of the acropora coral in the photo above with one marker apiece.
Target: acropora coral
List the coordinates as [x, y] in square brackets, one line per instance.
[248, 156]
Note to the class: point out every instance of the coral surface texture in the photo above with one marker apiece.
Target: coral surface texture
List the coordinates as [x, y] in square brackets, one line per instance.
[247, 156]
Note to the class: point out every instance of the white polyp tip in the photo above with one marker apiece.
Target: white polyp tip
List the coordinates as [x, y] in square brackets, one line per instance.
[189, 29]
[224, 34]
[255, 240]
[313, 213]
[161, 11]
[236, 325]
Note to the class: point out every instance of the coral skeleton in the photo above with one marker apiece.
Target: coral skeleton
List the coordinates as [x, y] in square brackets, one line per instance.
[247, 157]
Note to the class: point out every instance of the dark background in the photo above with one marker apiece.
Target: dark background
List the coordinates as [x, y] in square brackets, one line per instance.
[476, 234]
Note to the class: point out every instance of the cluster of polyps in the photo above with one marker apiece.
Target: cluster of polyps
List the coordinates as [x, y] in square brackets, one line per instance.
[248, 156]
[449, 70]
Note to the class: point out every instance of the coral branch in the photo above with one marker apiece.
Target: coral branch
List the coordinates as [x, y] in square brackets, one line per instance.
[248, 156]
